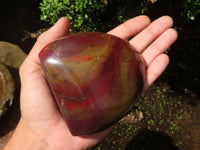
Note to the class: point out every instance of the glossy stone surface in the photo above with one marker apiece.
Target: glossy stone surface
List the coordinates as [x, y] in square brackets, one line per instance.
[95, 78]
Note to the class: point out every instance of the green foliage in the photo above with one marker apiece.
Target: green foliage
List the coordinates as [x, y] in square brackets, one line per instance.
[91, 15]
[102, 15]
[126, 9]
[191, 8]
[84, 15]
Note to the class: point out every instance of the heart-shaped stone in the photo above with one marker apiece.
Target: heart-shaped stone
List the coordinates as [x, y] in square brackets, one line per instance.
[95, 78]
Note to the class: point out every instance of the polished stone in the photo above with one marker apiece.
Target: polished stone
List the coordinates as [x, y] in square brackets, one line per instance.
[96, 78]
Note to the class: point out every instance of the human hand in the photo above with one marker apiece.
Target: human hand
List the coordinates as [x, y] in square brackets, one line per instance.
[41, 125]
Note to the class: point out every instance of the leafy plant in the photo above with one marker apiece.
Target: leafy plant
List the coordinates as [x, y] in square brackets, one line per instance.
[191, 8]
[91, 15]
[84, 15]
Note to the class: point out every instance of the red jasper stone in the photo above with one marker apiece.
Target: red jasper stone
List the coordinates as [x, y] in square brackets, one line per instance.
[95, 78]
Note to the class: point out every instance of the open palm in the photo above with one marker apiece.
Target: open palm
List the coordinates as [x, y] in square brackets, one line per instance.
[41, 125]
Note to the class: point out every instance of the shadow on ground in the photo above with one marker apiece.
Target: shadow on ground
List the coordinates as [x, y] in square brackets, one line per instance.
[151, 140]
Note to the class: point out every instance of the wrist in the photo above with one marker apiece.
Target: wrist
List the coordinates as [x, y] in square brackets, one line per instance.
[25, 138]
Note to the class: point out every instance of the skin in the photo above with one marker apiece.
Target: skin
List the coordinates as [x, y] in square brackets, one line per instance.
[41, 125]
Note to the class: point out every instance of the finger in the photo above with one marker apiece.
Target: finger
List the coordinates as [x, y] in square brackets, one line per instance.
[155, 69]
[33, 82]
[130, 27]
[160, 45]
[148, 35]
[30, 64]
[60, 29]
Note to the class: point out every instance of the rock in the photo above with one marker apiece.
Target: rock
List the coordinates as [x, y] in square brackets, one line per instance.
[134, 117]
[86, 72]
[153, 1]
[11, 55]
[7, 89]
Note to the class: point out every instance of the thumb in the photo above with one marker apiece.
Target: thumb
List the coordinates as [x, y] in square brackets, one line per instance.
[31, 63]
[60, 29]
[36, 98]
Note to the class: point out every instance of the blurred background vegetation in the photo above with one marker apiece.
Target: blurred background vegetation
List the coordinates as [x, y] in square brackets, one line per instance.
[172, 105]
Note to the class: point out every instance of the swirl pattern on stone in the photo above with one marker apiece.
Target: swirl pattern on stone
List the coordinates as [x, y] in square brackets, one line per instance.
[95, 78]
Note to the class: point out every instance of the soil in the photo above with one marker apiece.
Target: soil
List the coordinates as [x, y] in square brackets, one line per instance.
[20, 24]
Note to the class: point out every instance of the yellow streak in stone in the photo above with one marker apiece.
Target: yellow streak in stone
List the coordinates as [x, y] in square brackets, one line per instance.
[87, 70]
